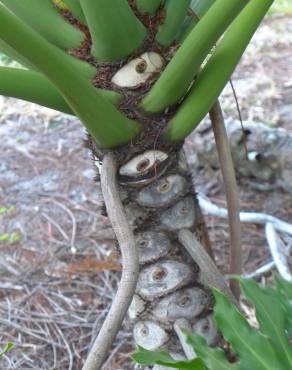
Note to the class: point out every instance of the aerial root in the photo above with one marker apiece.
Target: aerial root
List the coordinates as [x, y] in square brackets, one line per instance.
[130, 262]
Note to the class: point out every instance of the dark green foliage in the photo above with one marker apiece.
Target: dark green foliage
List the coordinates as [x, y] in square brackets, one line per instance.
[265, 349]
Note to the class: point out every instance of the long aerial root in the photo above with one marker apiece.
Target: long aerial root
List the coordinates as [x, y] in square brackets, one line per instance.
[130, 261]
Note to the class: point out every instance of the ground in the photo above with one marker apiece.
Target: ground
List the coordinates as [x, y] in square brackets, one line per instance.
[58, 264]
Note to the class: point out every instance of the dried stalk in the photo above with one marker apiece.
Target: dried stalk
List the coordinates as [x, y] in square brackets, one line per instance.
[228, 173]
[130, 260]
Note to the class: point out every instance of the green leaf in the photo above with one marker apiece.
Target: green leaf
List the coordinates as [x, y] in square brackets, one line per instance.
[145, 357]
[4, 210]
[4, 237]
[284, 287]
[285, 295]
[256, 349]
[253, 348]
[214, 359]
[7, 348]
[272, 316]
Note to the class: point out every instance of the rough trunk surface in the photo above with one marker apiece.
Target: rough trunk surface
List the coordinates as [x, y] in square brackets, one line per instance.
[159, 199]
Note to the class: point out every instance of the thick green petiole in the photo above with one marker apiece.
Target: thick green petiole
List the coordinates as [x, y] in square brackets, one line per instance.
[76, 10]
[115, 30]
[108, 127]
[148, 6]
[176, 12]
[181, 70]
[43, 16]
[217, 71]
[31, 86]
[13, 54]
[197, 10]
[200, 7]
[36, 88]
[84, 69]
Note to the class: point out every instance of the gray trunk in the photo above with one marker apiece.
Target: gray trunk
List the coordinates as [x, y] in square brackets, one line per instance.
[159, 200]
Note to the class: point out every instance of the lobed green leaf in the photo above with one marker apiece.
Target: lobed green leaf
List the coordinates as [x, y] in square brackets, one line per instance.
[272, 316]
[145, 357]
[253, 348]
[263, 349]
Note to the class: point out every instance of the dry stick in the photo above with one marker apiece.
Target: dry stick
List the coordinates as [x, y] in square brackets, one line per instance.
[228, 173]
[130, 259]
[240, 118]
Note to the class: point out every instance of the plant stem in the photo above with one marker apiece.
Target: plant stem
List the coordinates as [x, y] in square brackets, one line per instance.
[148, 6]
[75, 8]
[175, 13]
[214, 76]
[231, 190]
[33, 87]
[36, 88]
[45, 19]
[181, 70]
[115, 30]
[108, 126]
[13, 54]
